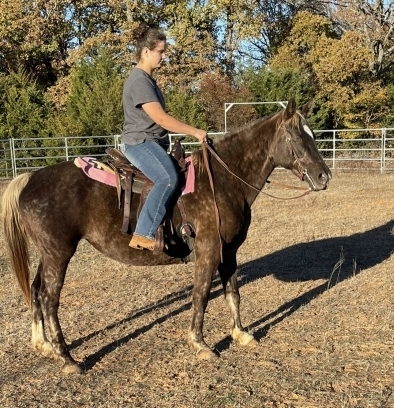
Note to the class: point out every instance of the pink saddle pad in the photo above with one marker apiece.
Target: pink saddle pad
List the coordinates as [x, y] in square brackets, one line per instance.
[96, 170]
[190, 180]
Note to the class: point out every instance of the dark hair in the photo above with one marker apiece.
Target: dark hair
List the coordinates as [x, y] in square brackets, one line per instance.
[146, 36]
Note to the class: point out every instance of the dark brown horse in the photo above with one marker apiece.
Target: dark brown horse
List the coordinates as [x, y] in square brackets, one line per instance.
[58, 205]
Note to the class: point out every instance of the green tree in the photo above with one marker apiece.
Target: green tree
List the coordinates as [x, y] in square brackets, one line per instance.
[270, 85]
[94, 104]
[185, 106]
[35, 36]
[24, 107]
[24, 112]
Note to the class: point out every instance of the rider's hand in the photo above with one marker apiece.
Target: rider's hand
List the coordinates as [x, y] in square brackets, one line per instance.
[201, 135]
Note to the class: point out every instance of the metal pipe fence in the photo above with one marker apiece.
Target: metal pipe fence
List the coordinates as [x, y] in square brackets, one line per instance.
[342, 149]
[357, 149]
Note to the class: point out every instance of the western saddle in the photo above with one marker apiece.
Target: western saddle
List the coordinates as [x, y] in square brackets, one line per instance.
[130, 180]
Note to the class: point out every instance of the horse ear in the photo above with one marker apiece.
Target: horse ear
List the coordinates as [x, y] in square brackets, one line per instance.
[306, 108]
[290, 110]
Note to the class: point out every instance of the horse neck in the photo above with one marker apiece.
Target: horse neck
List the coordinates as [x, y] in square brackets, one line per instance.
[246, 154]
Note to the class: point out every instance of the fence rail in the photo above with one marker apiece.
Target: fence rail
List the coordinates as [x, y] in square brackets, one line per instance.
[342, 149]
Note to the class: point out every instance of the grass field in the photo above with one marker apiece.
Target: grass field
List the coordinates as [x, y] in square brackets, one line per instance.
[317, 289]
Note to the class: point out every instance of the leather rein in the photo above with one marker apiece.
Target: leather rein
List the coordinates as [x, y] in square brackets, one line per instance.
[301, 170]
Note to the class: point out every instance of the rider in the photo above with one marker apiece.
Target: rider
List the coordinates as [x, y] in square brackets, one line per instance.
[145, 133]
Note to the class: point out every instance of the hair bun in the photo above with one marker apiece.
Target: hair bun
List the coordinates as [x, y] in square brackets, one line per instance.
[146, 36]
[140, 32]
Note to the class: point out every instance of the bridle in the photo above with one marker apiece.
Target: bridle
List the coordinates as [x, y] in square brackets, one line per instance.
[302, 171]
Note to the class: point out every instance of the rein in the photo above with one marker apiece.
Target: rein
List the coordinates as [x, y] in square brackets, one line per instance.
[212, 151]
[217, 214]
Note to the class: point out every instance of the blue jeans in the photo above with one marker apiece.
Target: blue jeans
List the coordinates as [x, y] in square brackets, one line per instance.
[150, 158]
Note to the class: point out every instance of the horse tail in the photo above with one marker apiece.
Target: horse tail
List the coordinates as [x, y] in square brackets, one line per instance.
[15, 234]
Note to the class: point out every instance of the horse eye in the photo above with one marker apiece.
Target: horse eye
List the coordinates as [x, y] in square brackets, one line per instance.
[296, 136]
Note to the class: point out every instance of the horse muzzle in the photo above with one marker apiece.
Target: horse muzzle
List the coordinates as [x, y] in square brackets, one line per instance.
[318, 181]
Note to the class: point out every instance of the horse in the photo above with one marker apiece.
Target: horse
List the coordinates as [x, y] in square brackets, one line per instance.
[57, 206]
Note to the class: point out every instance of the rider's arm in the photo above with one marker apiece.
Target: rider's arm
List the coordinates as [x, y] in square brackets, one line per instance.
[155, 111]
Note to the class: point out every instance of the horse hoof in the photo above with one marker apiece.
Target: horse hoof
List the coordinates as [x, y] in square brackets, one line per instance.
[252, 343]
[70, 368]
[244, 339]
[206, 354]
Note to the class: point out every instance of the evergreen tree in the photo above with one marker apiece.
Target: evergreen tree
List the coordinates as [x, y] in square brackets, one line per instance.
[271, 85]
[184, 106]
[94, 104]
[24, 110]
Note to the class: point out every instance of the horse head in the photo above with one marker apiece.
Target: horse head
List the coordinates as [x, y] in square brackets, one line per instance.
[295, 147]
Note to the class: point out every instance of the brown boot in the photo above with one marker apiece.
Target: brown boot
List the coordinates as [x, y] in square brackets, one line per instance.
[138, 242]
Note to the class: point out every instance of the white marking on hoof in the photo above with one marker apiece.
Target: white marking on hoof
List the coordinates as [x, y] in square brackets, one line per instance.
[39, 341]
[203, 352]
[70, 368]
[252, 343]
[243, 338]
[44, 348]
[206, 354]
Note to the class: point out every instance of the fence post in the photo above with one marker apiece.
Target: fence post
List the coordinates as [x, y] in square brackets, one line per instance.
[333, 149]
[13, 160]
[383, 151]
[66, 146]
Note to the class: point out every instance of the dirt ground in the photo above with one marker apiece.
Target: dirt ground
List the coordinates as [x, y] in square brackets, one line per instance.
[317, 289]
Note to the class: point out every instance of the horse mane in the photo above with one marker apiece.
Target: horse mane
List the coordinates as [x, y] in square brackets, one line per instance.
[197, 157]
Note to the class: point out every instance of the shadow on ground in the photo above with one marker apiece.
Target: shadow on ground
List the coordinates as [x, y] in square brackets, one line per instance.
[331, 259]
[328, 258]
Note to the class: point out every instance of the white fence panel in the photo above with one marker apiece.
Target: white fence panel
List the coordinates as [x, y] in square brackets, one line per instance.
[342, 149]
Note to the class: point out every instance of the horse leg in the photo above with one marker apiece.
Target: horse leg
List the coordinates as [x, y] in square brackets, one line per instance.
[51, 282]
[202, 284]
[39, 340]
[228, 274]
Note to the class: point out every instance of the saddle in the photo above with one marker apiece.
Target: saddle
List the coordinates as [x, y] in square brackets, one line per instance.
[130, 180]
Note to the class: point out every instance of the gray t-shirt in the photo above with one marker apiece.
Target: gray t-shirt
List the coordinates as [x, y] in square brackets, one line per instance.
[138, 89]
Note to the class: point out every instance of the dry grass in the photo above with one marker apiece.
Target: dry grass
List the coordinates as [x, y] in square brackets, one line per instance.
[318, 292]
